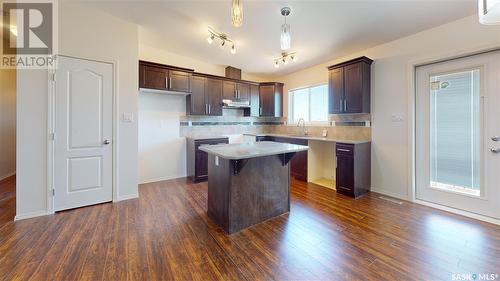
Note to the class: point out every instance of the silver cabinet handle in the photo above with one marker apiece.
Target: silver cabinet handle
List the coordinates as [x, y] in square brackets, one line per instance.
[495, 150]
[345, 150]
[260, 110]
[206, 108]
[106, 142]
[495, 138]
[166, 83]
[170, 82]
[209, 107]
[345, 105]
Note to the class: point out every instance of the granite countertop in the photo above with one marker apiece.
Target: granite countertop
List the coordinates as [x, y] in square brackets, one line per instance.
[315, 138]
[251, 150]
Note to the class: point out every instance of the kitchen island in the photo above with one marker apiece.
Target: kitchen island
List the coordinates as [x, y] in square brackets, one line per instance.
[248, 183]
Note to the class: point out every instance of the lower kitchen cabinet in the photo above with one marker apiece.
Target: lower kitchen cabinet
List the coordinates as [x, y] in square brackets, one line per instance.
[298, 164]
[353, 171]
[197, 160]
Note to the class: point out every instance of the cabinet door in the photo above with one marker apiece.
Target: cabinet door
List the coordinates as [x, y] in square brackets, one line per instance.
[201, 162]
[266, 97]
[179, 81]
[243, 91]
[353, 88]
[345, 174]
[254, 100]
[298, 166]
[153, 77]
[196, 101]
[228, 90]
[214, 96]
[336, 91]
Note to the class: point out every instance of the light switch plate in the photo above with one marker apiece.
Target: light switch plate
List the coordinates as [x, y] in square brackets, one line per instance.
[128, 117]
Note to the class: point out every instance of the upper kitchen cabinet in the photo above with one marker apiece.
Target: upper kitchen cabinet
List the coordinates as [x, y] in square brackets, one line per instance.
[206, 96]
[254, 100]
[243, 91]
[349, 86]
[228, 90]
[271, 99]
[165, 78]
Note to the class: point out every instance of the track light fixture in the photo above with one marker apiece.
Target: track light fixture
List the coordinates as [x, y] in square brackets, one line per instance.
[221, 36]
[285, 57]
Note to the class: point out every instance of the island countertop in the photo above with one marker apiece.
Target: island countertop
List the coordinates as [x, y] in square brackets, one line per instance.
[251, 150]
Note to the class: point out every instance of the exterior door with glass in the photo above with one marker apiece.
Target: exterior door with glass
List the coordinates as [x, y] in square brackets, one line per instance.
[458, 134]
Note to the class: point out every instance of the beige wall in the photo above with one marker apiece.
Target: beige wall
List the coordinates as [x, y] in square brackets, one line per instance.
[390, 90]
[7, 122]
[86, 33]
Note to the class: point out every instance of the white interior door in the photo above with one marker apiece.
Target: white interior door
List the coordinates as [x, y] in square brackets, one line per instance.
[83, 133]
[457, 129]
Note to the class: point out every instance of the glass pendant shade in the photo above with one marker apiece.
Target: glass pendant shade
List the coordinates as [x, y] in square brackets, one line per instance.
[285, 39]
[237, 13]
[489, 12]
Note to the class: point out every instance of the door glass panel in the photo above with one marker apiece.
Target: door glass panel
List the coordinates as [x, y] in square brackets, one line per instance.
[455, 132]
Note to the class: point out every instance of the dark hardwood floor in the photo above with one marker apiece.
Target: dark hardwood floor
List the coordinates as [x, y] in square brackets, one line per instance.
[167, 235]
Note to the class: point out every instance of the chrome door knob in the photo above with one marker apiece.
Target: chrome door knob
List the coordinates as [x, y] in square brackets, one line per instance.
[106, 142]
[495, 150]
[495, 138]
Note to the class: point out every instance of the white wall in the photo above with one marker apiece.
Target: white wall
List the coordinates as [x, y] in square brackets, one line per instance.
[7, 122]
[390, 86]
[84, 33]
[162, 152]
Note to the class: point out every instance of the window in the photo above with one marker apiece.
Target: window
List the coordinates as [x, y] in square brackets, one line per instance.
[455, 132]
[310, 104]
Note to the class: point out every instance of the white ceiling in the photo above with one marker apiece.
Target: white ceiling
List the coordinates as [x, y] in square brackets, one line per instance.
[321, 30]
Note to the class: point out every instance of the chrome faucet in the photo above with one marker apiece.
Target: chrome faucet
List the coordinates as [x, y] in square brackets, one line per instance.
[304, 129]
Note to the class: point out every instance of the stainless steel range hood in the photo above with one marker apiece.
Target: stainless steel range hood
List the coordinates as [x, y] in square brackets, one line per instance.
[236, 104]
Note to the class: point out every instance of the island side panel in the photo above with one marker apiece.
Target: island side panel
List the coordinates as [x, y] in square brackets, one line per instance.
[218, 191]
[260, 191]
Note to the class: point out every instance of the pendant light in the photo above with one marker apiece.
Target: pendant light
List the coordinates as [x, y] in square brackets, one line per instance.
[285, 38]
[489, 12]
[237, 13]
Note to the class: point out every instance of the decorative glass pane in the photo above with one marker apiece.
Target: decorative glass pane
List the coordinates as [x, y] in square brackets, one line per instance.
[455, 132]
[301, 104]
[319, 103]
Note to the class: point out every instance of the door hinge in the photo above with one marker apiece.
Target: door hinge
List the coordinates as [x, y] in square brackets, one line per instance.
[53, 192]
[53, 77]
[53, 136]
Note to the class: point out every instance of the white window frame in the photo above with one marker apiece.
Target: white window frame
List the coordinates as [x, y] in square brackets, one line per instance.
[292, 122]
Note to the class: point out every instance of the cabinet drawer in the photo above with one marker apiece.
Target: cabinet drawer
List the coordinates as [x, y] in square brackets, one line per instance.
[344, 149]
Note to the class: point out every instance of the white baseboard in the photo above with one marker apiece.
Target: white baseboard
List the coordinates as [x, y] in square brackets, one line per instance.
[127, 197]
[30, 215]
[7, 176]
[458, 212]
[390, 193]
[161, 179]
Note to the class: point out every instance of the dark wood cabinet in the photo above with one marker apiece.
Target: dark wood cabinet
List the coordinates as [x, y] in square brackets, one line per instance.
[298, 164]
[196, 101]
[353, 171]
[271, 99]
[243, 92]
[214, 96]
[205, 98]
[197, 160]
[254, 100]
[349, 86]
[336, 89]
[164, 77]
[179, 81]
[228, 90]
[153, 77]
